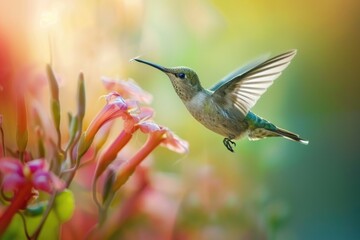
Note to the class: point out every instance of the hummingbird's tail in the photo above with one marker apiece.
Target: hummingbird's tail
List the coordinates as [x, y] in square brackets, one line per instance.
[261, 128]
[289, 135]
[260, 133]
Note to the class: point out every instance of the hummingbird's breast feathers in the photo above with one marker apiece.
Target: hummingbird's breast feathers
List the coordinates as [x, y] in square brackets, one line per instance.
[203, 102]
[225, 119]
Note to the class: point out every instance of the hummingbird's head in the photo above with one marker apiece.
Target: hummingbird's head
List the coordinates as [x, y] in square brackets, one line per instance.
[185, 80]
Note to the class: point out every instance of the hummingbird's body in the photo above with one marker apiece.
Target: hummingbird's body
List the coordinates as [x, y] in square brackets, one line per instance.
[225, 108]
[217, 115]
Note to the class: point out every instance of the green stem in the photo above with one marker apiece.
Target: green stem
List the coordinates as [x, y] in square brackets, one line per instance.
[45, 215]
[104, 210]
[74, 161]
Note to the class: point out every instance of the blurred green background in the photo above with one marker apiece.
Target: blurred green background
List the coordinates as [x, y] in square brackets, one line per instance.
[267, 188]
[315, 187]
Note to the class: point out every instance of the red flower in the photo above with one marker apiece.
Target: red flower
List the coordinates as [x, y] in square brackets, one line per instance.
[22, 179]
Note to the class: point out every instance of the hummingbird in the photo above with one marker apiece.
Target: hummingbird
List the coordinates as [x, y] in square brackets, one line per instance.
[225, 107]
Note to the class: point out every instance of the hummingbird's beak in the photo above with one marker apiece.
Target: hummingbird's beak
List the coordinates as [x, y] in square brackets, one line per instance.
[161, 68]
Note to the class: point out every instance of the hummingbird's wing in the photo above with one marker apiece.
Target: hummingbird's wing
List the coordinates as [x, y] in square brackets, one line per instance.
[245, 89]
[241, 70]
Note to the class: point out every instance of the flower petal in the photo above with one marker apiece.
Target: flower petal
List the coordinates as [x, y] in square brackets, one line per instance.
[115, 107]
[133, 106]
[47, 182]
[42, 181]
[129, 123]
[116, 99]
[132, 120]
[128, 89]
[149, 127]
[145, 113]
[37, 164]
[174, 143]
[10, 165]
[12, 182]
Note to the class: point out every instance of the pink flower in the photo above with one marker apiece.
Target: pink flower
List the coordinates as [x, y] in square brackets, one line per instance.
[167, 138]
[157, 135]
[115, 107]
[22, 179]
[132, 122]
[36, 172]
[127, 89]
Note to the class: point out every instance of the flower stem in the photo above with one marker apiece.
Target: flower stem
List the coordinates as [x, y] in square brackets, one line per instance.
[45, 215]
[19, 202]
[21, 131]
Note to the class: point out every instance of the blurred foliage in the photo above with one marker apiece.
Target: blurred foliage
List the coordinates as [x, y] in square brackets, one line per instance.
[62, 212]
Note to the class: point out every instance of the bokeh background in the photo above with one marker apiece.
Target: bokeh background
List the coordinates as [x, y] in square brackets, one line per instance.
[267, 189]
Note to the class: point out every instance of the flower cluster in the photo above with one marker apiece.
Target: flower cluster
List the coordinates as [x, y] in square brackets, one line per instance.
[135, 117]
[26, 174]
[35, 173]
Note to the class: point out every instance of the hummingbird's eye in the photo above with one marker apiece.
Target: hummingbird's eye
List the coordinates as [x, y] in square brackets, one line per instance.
[181, 75]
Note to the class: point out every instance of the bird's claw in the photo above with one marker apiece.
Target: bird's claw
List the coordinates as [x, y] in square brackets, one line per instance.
[227, 142]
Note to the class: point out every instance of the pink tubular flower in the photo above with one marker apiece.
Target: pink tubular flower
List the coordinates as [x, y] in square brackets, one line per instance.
[168, 138]
[157, 135]
[16, 175]
[115, 107]
[132, 122]
[127, 89]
